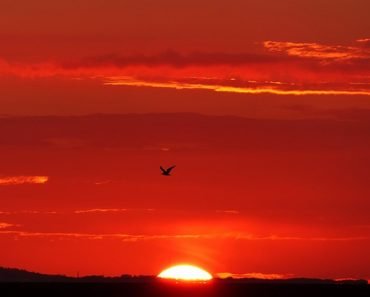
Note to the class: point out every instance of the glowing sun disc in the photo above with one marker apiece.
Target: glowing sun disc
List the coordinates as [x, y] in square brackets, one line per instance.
[185, 273]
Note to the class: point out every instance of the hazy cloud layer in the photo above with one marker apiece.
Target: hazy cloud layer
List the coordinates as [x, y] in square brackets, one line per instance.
[281, 68]
[335, 129]
[140, 237]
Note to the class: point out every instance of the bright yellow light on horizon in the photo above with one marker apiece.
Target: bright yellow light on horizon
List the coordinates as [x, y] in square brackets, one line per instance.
[185, 273]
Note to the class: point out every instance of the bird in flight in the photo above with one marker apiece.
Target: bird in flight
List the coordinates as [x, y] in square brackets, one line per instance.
[167, 171]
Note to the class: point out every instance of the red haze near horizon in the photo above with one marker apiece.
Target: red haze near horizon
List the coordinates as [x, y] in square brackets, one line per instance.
[264, 106]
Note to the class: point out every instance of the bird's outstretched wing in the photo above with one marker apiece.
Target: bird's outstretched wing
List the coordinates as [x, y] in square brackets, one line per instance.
[169, 169]
[163, 170]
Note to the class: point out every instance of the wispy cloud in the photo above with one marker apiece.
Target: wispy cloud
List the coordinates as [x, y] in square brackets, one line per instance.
[103, 211]
[112, 210]
[319, 51]
[249, 88]
[30, 212]
[140, 237]
[364, 41]
[77, 212]
[100, 210]
[258, 275]
[7, 225]
[228, 211]
[119, 236]
[20, 180]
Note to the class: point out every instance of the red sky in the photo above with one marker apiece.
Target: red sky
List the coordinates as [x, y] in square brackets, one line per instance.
[264, 106]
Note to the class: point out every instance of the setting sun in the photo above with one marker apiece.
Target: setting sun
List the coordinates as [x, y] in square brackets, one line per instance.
[185, 273]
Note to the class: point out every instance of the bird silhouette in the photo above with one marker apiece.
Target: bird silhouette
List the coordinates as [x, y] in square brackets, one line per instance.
[167, 171]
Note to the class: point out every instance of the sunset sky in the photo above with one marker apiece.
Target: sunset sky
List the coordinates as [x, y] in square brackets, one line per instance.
[263, 105]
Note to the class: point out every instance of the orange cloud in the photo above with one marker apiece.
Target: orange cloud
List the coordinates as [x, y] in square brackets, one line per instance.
[20, 180]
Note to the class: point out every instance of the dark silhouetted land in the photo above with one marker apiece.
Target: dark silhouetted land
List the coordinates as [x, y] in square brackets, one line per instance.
[15, 282]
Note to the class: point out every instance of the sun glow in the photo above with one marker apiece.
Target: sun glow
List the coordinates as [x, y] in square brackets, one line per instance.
[185, 273]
